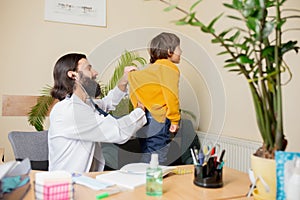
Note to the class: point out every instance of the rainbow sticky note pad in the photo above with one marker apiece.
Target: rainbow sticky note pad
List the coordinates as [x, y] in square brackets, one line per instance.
[55, 185]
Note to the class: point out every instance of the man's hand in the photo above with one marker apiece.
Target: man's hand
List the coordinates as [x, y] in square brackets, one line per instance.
[140, 105]
[124, 80]
[129, 69]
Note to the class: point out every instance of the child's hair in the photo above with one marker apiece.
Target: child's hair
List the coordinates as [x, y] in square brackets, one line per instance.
[161, 44]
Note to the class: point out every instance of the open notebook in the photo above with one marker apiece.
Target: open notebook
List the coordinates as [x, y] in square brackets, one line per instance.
[131, 175]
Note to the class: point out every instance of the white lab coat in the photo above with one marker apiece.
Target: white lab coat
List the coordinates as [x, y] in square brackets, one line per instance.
[76, 130]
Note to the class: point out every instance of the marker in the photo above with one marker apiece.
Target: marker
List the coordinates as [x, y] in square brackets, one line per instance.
[196, 153]
[220, 166]
[201, 157]
[212, 152]
[222, 155]
[107, 194]
[221, 162]
[193, 156]
[205, 149]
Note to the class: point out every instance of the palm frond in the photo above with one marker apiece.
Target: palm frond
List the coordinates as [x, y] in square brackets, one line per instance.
[38, 113]
[126, 59]
[46, 90]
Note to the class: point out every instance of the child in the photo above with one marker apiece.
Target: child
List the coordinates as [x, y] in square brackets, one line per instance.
[156, 87]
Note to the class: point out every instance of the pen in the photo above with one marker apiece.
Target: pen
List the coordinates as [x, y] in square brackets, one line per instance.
[107, 194]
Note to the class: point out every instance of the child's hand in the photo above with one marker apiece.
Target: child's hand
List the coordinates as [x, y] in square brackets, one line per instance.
[174, 128]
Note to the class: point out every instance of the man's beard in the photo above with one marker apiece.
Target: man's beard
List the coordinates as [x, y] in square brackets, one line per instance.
[91, 86]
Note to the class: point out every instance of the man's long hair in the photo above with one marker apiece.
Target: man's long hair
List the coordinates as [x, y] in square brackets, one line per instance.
[63, 84]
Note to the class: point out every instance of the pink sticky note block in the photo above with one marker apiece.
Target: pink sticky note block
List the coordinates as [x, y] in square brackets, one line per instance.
[57, 190]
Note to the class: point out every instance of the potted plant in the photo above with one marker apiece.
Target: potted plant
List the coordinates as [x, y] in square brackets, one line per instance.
[256, 51]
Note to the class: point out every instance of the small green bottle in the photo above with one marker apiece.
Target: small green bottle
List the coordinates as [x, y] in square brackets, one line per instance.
[154, 178]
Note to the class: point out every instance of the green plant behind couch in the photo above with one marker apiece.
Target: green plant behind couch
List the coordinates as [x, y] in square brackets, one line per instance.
[256, 51]
[38, 112]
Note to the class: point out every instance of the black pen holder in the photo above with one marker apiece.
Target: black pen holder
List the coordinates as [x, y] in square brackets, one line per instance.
[208, 176]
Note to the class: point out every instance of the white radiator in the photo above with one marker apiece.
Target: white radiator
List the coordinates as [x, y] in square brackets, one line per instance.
[237, 151]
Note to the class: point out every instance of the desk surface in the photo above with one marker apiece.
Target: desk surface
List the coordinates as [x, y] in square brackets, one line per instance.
[236, 186]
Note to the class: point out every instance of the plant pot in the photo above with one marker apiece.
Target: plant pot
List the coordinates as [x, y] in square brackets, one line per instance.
[266, 169]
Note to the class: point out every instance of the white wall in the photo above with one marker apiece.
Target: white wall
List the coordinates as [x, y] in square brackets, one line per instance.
[30, 46]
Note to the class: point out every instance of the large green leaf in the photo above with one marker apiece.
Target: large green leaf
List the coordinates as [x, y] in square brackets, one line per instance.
[171, 7]
[216, 40]
[234, 17]
[222, 34]
[211, 24]
[253, 24]
[237, 4]
[200, 24]
[180, 22]
[191, 17]
[235, 36]
[242, 46]
[231, 65]
[244, 59]
[290, 45]
[223, 52]
[229, 6]
[194, 5]
[268, 52]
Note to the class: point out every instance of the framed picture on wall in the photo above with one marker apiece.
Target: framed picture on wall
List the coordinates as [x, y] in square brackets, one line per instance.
[87, 12]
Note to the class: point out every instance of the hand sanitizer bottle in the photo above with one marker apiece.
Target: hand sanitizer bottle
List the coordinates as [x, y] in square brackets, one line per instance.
[293, 185]
[154, 177]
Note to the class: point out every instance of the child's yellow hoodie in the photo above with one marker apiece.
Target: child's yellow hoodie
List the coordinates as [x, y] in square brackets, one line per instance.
[156, 87]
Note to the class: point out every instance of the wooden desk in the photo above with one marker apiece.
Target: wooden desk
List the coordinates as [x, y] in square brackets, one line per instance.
[236, 186]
